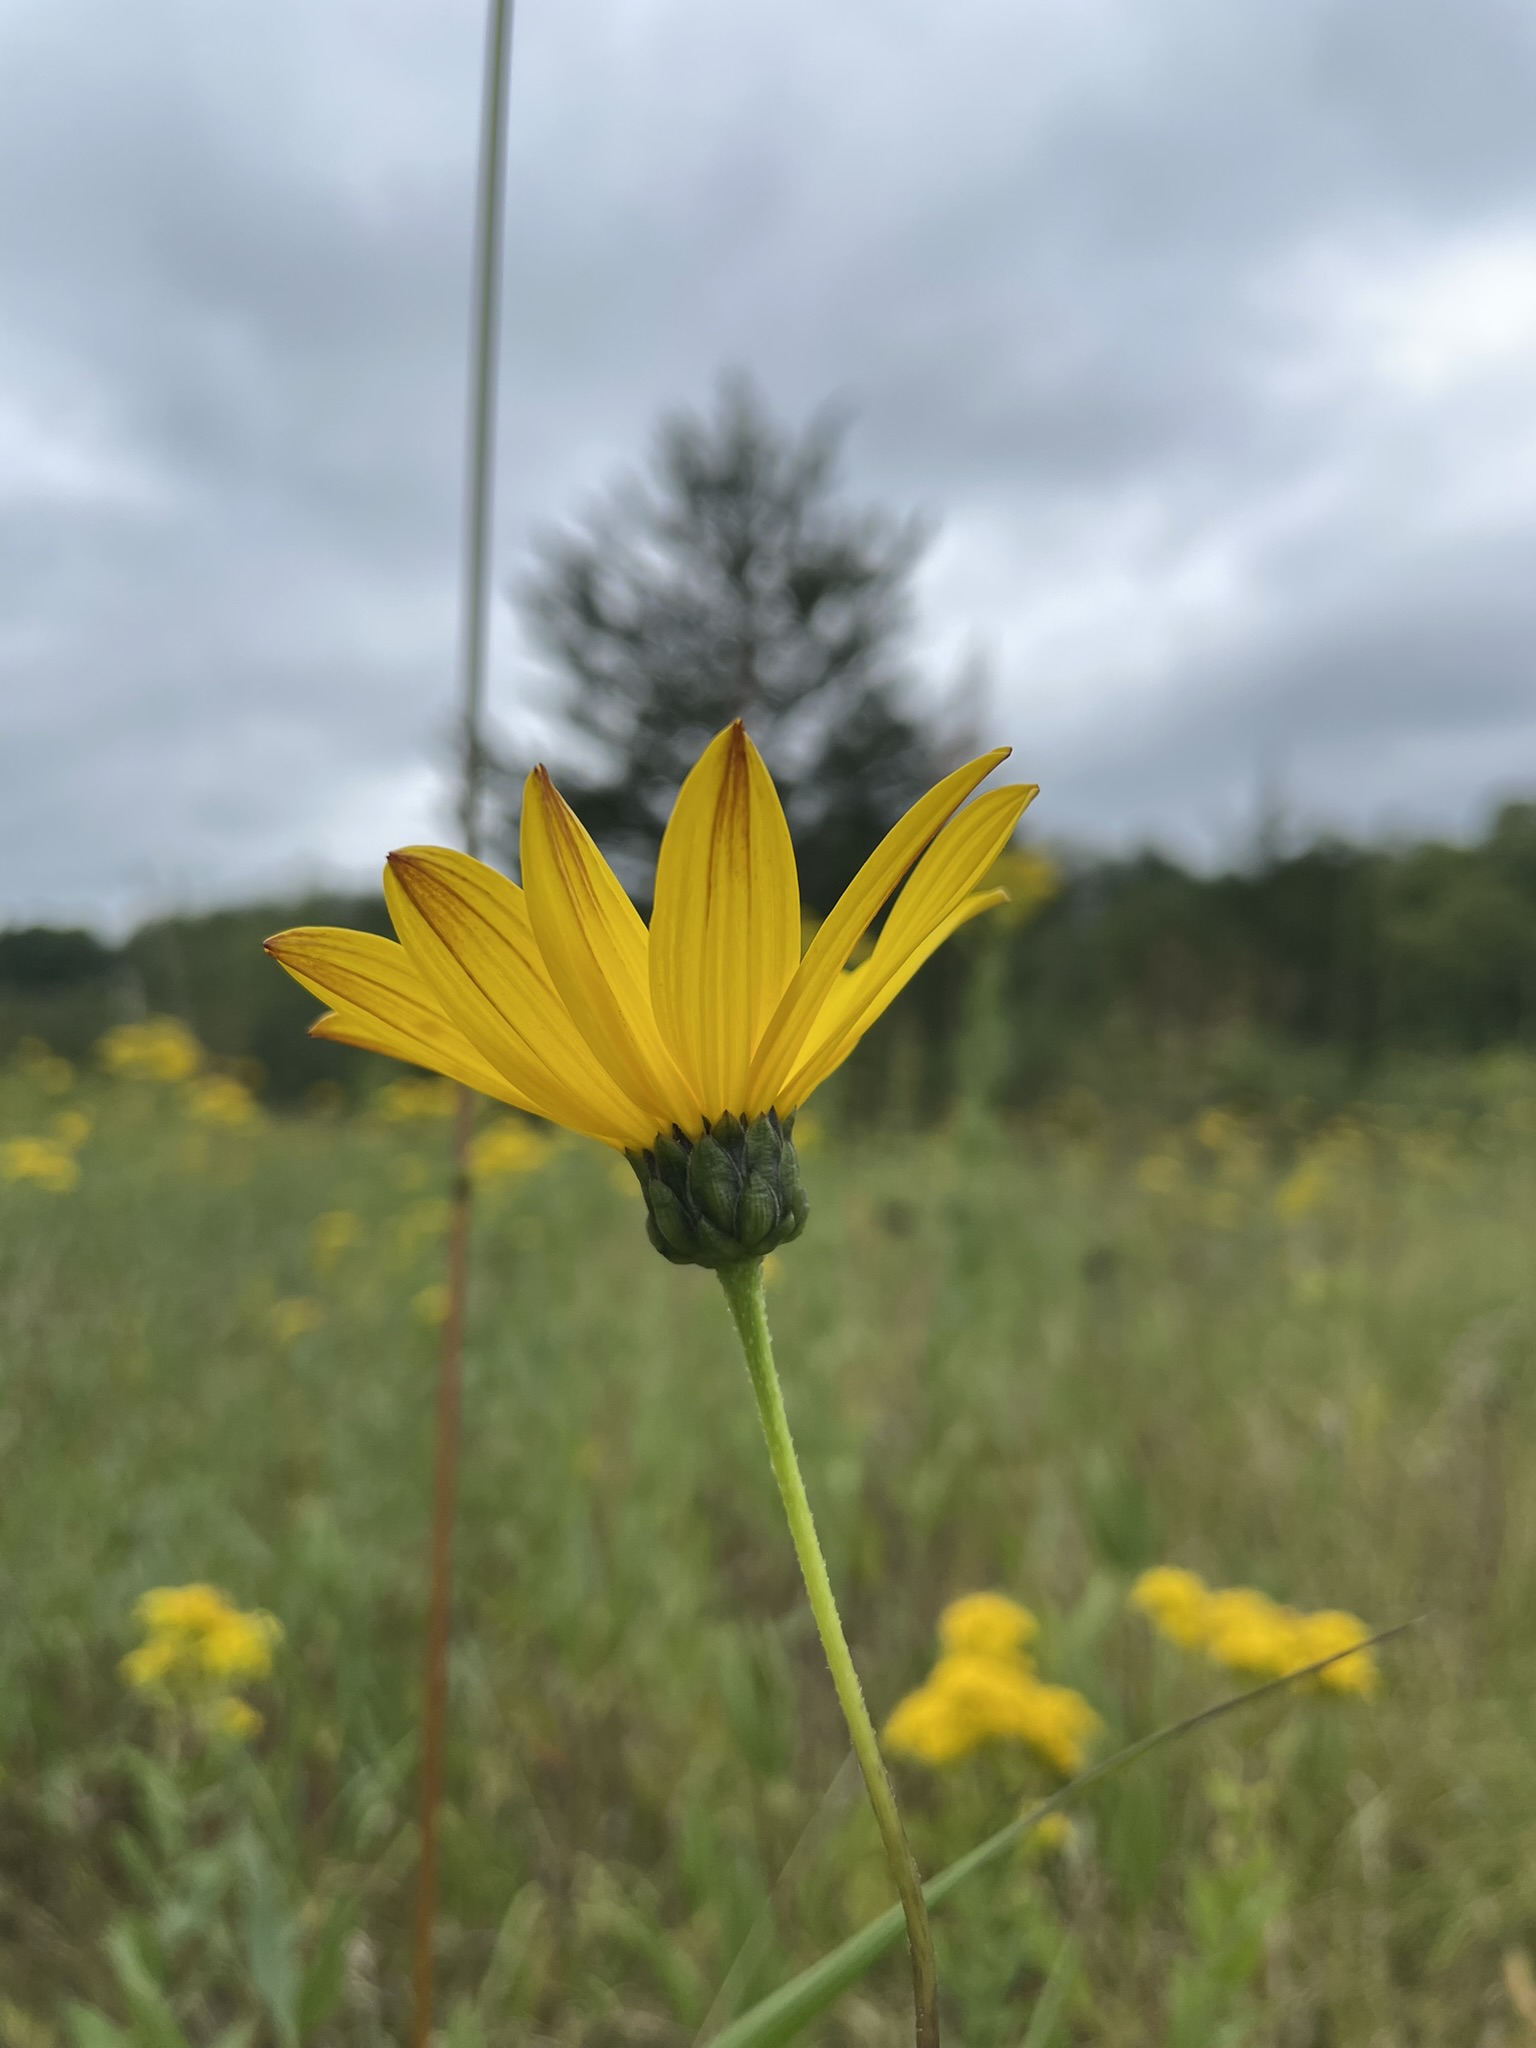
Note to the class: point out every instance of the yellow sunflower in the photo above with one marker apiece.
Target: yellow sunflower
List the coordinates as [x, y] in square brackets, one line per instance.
[687, 1047]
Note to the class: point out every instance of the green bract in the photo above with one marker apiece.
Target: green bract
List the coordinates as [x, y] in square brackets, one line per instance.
[733, 1193]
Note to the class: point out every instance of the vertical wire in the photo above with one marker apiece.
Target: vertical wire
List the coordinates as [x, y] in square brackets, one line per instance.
[480, 469]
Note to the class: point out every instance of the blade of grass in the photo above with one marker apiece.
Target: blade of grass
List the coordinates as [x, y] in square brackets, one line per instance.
[779, 2017]
[1054, 1993]
[832, 1807]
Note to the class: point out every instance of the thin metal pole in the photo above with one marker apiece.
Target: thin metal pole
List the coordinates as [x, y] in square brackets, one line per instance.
[480, 472]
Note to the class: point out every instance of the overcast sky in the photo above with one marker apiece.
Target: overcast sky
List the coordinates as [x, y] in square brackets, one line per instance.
[1205, 333]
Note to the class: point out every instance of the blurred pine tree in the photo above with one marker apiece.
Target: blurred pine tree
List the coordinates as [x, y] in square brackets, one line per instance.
[733, 581]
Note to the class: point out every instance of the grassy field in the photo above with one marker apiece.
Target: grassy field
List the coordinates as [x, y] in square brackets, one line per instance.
[1036, 1358]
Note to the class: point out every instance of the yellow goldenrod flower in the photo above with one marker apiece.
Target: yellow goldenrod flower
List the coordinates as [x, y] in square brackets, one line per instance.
[239, 1645]
[158, 1049]
[196, 1644]
[403, 1102]
[1058, 1724]
[970, 1700]
[695, 1040]
[150, 1662]
[508, 1148]
[221, 1099]
[44, 1160]
[232, 1717]
[1325, 1633]
[930, 1727]
[1177, 1601]
[184, 1610]
[986, 1625]
[1248, 1633]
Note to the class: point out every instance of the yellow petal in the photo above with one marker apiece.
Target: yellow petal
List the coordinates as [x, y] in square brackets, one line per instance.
[868, 1001]
[963, 852]
[782, 1046]
[935, 902]
[597, 954]
[468, 933]
[725, 932]
[382, 1004]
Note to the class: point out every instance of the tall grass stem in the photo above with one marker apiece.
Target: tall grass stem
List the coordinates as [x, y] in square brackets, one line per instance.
[480, 471]
[743, 1285]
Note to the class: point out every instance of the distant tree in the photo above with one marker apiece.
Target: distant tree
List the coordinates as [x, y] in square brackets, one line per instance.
[732, 581]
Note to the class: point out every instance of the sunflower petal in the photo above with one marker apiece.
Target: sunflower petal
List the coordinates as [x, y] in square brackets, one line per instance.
[865, 1003]
[467, 930]
[782, 1046]
[940, 885]
[596, 951]
[725, 932]
[382, 1005]
[953, 865]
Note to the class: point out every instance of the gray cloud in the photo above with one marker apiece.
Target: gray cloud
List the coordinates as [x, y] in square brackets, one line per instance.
[1209, 335]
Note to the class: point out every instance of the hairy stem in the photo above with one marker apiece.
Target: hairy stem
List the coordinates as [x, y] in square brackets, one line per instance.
[743, 1286]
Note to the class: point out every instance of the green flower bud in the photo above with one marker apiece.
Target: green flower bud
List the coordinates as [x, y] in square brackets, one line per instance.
[714, 1183]
[733, 1193]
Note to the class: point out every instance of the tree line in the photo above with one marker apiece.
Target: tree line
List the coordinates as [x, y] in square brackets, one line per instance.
[732, 578]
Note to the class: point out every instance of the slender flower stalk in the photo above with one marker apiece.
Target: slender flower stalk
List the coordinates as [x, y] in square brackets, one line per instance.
[445, 1488]
[743, 1285]
[688, 1047]
[485, 329]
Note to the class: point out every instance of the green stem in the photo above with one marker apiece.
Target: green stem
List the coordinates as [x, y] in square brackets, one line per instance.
[743, 1286]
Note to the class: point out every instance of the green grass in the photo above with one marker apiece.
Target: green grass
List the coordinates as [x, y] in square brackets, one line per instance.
[1008, 1363]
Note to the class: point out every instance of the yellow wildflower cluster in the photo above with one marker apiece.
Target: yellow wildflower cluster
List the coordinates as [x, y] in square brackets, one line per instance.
[156, 1049]
[1208, 1169]
[410, 1101]
[508, 1149]
[49, 1161]
[197, 1648]
[221, 1099]
[1246, 1632]
[1323, 1170]
[984, 1689]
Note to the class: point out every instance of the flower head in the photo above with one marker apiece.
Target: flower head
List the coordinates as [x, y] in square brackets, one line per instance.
[969, 1700]
[1177, 1601]
[197, 1646]
[221, 1099]
[48, 1161]
[986, 1625]
[984, 1689]
[154, 1049]
[1327, 1632]
[555, 998]
[1250, 1634]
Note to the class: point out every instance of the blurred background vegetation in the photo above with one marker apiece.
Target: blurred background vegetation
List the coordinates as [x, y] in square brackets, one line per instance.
[1035, 1354]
